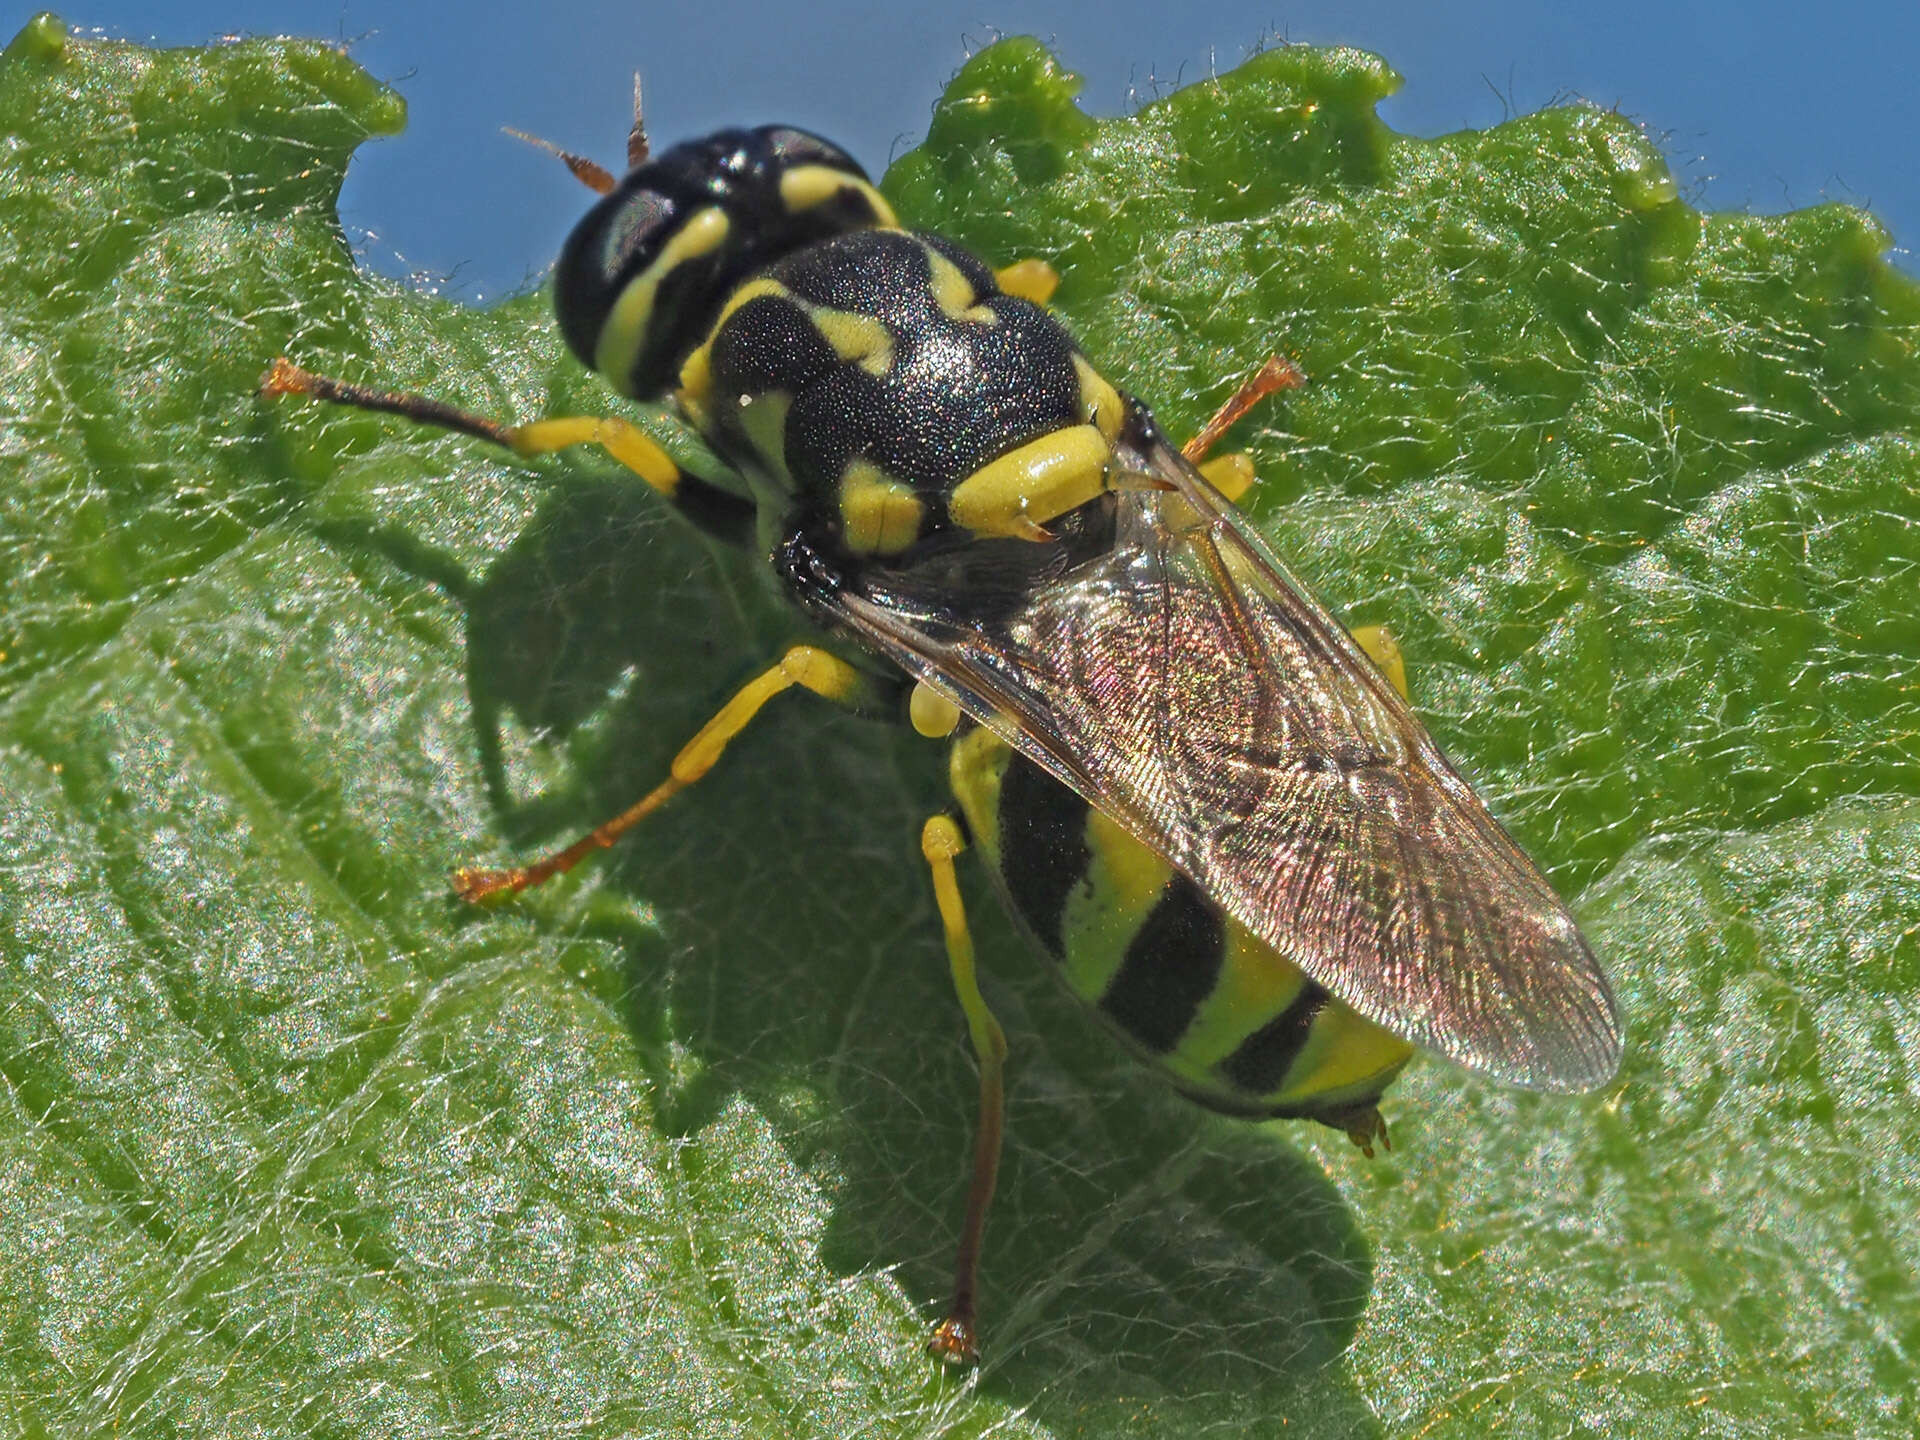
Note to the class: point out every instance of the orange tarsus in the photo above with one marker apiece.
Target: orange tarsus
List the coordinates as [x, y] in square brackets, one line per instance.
[953, 1344]
[1276, 374]
[284, 377]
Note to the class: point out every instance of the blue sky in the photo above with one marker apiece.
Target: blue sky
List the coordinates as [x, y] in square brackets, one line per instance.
[1760, 105]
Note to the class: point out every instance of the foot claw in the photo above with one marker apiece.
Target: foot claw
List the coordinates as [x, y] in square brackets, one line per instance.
[952, 1344]
[476, 887]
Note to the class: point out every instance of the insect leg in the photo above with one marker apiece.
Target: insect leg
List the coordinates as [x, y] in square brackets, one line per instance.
[954, 1338]
[810, 668]
[1275, 375]
[714, 509]
[1384, 651]
[1014, 495]
[1033, 280]
[1231, 475]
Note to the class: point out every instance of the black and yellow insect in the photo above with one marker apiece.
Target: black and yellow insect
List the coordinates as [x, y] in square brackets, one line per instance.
[1206, 804]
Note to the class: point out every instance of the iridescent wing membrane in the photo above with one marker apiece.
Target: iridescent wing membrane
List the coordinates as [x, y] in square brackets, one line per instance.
[1182, 682]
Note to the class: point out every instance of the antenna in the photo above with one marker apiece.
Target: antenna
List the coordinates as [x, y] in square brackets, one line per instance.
[595, 177]
[637, 147]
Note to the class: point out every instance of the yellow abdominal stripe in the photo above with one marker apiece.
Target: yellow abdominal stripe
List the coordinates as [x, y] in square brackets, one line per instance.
[1255, 984]
[1124, 881]
[1345, 1051]
[1343, 1056]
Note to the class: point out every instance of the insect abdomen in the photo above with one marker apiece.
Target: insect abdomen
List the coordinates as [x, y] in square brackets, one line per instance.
[1234, 1024]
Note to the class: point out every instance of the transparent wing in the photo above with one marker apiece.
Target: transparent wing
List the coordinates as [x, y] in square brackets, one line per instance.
[1179, 679]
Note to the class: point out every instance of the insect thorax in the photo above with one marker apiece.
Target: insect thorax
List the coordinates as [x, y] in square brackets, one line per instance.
[876, 387]
[862, 380]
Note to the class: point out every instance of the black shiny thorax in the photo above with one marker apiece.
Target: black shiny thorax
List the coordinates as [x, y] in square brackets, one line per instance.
[960, 385]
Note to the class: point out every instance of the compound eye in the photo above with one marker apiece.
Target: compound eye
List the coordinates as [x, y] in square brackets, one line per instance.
[634, 232]
[617, 240]
[794, 148]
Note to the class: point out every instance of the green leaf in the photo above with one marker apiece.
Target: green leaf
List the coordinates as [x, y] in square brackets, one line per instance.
[296, 1146]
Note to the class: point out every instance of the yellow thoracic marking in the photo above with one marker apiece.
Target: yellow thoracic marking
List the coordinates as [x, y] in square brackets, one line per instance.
[1017, 494]
[696, 373]
[1033, 280]
[881, 514]
[625, 330]
[933, 714]
[1231, 475]
[763, 419]
[857, 339]
[954, 293]
[806, 186]
[1100, 404]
